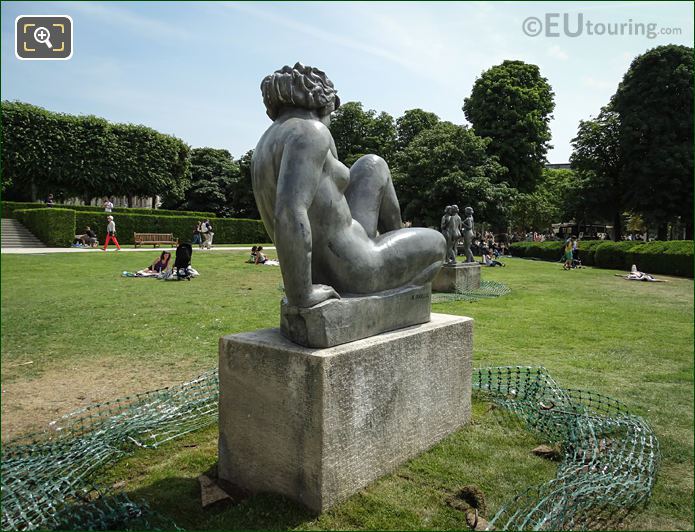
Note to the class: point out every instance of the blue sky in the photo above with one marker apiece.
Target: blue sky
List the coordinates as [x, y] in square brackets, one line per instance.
[193, 69]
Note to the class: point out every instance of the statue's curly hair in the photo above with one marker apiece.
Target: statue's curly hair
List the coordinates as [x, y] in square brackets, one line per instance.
[298, 86]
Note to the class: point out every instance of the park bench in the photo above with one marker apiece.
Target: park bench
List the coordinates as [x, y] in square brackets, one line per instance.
[155, 239]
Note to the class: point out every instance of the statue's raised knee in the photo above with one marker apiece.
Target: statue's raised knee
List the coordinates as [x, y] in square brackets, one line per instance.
[372, 164]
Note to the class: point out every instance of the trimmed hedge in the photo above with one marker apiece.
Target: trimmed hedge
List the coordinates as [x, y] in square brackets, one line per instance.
[540, 250]
[674, 257]
[9, 207]
[54, 227]
[227, 230]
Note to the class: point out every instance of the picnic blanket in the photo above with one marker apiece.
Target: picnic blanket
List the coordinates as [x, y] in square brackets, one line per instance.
[140, 273]
[166, 274]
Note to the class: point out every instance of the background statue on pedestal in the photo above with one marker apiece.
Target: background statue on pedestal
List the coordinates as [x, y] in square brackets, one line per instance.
[468, 233]
[336, 230]
[445, 220]
[451, 229]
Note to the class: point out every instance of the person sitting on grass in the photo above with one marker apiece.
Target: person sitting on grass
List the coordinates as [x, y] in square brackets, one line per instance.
[160, 265]
[260, 256]
[252, 257]
[89, 238]
[489, 260]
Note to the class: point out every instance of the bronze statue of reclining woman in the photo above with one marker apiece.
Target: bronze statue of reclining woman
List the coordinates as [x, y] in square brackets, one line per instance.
[337, 231]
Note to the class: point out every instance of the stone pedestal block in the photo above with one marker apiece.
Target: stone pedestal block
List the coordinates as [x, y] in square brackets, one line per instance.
[317, 425]
[462, 276]
[338, 321]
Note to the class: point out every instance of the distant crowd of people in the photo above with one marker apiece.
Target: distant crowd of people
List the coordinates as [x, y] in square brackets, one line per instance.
[486, 244]
[489, 249]
[533, 236]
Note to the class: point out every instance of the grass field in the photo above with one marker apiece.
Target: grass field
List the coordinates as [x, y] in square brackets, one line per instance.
[74, 332]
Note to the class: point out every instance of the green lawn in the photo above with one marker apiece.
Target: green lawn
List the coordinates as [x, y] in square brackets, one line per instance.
[74, 331]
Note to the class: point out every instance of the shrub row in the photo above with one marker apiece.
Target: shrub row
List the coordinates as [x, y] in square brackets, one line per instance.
[227, 230]
[537, 250]
[674, 257]
[54, 227]
[9, 207]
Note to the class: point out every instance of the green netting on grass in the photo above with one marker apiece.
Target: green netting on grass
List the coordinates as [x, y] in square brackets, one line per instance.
[608, 469]
[47, 477]
[610, 457]
[463, 293]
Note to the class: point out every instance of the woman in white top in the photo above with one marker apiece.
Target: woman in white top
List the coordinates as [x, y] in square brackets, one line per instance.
[111, 233]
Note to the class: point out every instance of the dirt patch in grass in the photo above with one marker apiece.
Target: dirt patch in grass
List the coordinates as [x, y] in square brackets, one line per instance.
[30, 405]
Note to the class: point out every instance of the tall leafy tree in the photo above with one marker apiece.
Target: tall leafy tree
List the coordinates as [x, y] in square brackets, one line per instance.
[655, 104]
[411, 124]
[243, 200]
[557, 198]
[218, 184]
[213, 172]
[358, 132]
[448, 164]
[146, 163]
[512, 104]
[598, 159]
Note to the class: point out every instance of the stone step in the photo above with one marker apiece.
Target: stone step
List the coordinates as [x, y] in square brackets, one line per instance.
[14, 235]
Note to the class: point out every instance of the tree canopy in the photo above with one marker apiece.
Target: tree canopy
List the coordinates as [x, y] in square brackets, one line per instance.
[212, 173]
[357, 132]
[598, 160]
[218, 184]
[557, 198]
[512, 104]
[242, 198]
[86, 156]
[448, 164]
[655, 105]
[411, 124]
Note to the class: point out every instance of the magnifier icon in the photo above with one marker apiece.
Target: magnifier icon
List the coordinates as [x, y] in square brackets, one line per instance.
[42, 35]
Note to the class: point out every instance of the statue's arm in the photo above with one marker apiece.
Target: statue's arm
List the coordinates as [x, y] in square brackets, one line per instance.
[301, 171]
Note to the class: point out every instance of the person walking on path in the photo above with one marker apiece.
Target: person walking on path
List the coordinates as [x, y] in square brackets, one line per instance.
[206, 234]
[111, 233]
[203, 231]
[108, 206]
[196, 234]
[211, 234]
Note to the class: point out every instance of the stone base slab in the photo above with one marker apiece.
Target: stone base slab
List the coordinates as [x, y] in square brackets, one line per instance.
[317, 425]
[339, 321]
[462, 276]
